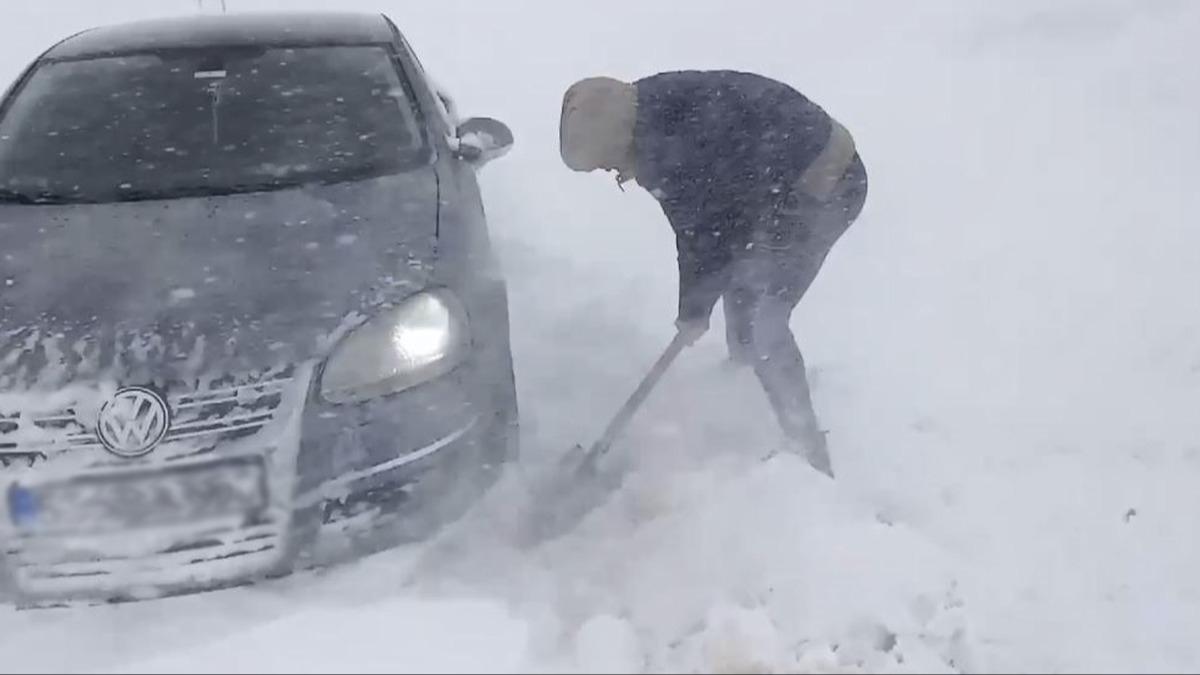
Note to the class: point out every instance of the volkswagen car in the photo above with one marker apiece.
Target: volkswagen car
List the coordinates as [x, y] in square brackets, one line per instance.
[250, 313]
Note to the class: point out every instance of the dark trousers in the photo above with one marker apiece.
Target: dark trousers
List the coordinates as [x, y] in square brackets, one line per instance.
[765, 285]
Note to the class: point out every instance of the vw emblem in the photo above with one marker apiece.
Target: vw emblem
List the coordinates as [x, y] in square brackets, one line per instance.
[133, 422]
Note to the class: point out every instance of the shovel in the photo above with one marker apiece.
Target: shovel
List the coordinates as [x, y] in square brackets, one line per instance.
[578, 485]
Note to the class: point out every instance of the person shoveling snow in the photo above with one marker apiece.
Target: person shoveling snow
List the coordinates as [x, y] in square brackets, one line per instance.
[758, 183]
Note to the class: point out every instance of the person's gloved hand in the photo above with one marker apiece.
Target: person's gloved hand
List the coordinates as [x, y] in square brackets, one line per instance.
[691, 330]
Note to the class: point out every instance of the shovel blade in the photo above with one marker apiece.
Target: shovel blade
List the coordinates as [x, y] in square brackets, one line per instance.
[575, 488]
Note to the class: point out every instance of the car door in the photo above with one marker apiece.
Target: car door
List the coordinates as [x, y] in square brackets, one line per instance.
[461, 202]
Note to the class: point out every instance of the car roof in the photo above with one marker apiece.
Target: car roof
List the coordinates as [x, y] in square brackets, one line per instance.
[241, 29]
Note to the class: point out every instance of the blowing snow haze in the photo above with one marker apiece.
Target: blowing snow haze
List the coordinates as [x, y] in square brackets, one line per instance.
[299, 311]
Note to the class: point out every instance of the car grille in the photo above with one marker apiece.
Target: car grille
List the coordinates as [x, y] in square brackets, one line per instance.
[202, 416]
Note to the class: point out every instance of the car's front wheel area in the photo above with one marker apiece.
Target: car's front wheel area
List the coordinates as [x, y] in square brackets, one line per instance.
[412, 505]
[397, 469]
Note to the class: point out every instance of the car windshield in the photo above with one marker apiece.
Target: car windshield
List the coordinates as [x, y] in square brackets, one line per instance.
[206, 122]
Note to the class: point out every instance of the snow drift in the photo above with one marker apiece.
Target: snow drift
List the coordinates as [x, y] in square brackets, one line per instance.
[1006, 350]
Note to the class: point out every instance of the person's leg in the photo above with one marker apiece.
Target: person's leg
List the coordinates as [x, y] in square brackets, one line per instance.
[738, 303]
[780, 368]
[775, 278]
[812, 229]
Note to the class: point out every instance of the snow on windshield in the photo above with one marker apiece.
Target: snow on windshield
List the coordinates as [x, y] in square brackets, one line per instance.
[206, 122]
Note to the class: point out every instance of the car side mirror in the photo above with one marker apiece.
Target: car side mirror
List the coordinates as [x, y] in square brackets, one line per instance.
[482, 139]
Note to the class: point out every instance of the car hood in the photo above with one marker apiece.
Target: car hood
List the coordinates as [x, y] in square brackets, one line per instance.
[176, 289]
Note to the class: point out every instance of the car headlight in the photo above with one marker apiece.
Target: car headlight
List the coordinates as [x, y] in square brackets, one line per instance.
[421, 339]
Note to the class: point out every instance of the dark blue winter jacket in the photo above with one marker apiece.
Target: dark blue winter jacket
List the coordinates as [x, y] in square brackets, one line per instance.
[719, 149]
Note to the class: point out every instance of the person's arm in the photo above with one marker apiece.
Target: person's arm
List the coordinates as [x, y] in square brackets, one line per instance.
[682, 141]
[703, 274]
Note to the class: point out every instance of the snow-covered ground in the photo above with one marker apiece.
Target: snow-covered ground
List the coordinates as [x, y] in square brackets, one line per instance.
[1006, 349]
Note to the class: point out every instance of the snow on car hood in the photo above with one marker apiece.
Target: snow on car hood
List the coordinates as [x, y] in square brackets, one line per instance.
[230, 283]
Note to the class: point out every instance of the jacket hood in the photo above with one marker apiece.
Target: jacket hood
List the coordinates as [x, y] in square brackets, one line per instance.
[597, 125]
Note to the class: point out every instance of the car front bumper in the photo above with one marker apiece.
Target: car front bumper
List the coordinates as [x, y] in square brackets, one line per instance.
[325, 466]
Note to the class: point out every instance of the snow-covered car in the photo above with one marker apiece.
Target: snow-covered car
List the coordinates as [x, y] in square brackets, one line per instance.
[249, 305]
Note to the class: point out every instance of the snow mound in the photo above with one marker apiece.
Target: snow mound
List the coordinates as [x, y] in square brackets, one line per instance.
[396, 636]
[734, 564]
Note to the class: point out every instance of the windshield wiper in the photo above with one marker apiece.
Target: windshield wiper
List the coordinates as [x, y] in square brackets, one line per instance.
[9, 196]
[186, 191]
[183, 192]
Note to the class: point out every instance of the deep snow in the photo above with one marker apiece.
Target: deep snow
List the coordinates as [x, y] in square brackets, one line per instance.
[1006, 349]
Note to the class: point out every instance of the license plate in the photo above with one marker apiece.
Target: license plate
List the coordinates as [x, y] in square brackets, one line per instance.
[103, 504]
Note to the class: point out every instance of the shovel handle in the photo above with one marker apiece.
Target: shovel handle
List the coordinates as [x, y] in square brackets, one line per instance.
[621, 419]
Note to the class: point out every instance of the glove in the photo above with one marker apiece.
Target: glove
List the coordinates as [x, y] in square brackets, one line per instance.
[691, 330]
